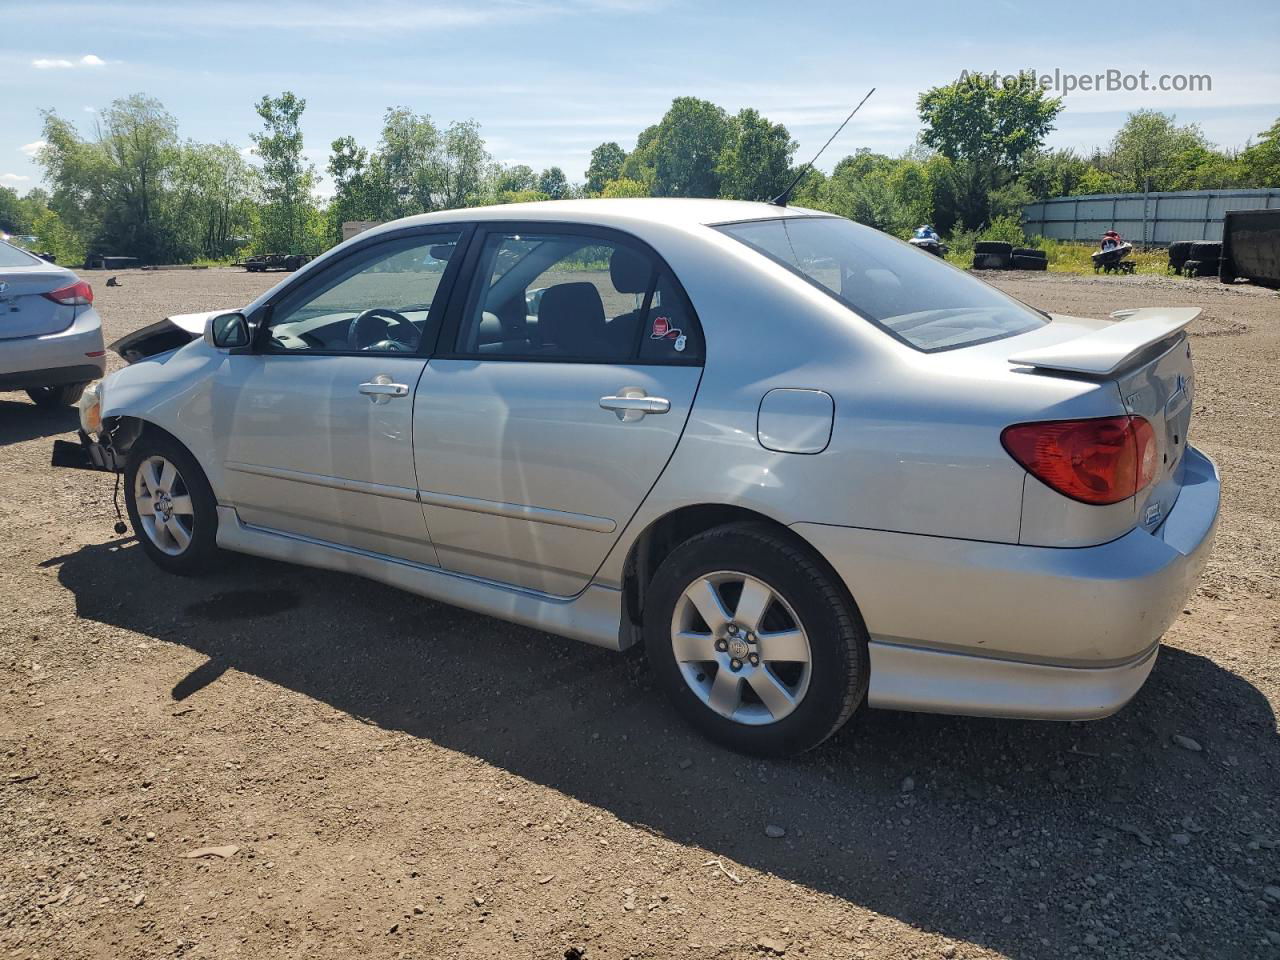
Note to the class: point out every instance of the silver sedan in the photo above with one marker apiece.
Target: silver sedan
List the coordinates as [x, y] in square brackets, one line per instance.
[50, 335]
[806, 465]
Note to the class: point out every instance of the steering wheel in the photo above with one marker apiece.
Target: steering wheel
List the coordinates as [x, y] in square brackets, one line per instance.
[378, 327]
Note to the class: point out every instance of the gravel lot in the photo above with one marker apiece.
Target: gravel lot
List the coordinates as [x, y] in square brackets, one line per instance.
[404, 779]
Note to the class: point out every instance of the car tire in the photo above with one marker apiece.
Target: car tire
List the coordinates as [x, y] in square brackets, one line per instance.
[1029, 263]
[190, 548]
[1030, 252]
[63, 395]
[1203, 250]
[1179, 254]
[993, 246]
[807, 691]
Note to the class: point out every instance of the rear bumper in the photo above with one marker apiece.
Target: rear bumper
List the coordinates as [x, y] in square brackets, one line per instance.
[55, 358]
[960, 626]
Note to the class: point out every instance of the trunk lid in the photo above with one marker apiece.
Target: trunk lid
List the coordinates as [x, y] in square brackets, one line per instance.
[1147, 355]
[24, 311]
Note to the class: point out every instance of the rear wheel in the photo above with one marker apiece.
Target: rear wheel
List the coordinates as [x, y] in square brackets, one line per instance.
[754, 641]
[171, 505]
[62, 395]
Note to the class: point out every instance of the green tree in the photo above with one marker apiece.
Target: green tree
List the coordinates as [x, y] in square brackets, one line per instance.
[755, 161]
[410, 160]
[990, 124]
[685, 149]
[606, 164]
[553, 183]
[1144, 150]
[464, 161]
[623, 187]
[286, 178]
[987, 131]
[1052, 173]
[1261, 162]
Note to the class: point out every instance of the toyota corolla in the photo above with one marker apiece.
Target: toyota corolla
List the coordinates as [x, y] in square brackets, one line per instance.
[806, 465]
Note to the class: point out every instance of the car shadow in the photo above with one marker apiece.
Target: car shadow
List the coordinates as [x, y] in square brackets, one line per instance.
[21, 420]
[1020, 836]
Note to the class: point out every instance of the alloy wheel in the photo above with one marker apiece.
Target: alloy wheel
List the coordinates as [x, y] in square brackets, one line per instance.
[164, 505]
[741, 648]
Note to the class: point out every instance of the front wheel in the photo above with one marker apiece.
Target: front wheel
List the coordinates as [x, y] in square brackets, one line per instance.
[171, 505]
[754, 640]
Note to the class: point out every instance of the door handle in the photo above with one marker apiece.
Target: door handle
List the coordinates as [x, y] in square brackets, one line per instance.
[631, 403]
[380, 389]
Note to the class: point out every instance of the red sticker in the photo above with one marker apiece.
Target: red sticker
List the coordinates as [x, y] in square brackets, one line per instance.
[661, 325]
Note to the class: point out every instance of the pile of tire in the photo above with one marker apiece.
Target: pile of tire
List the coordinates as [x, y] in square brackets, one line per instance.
[992, 255]
[1179, 254]
[1029, 258]
[1204, 259]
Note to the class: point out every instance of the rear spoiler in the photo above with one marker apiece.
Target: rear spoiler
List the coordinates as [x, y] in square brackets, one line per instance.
[1104, 352]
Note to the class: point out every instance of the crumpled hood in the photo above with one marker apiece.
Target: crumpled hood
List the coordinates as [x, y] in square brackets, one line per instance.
[167, 334]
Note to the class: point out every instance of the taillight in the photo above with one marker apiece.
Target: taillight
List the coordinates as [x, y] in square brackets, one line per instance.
[1094, 461]
[79, 294]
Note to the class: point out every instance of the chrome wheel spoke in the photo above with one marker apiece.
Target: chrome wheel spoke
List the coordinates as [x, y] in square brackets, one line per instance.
[177, 532]
[182, 506]
[146, 507]
[150, 479]
[167, 474]
[692, 647]
[706, 598]
[788, 645]
[726, 692]
[752, 604]
[777, 699]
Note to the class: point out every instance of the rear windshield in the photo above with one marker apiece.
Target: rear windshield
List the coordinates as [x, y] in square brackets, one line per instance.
[11, 256]
[913, 295]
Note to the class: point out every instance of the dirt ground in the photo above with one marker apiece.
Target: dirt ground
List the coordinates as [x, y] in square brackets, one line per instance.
[405, 779]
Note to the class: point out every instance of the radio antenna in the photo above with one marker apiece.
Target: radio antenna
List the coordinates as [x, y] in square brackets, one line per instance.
[781, 199]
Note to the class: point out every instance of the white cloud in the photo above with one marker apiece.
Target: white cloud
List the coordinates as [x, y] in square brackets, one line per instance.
[60, 63]
[13, 178]
[32, 148]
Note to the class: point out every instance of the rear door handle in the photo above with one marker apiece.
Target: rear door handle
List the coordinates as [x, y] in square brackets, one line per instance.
[381, 389]
[631, 403]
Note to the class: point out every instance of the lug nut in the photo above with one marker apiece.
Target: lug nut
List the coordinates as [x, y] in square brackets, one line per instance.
[721, 646]
[735, 663]
[733, 629]
[754, 659]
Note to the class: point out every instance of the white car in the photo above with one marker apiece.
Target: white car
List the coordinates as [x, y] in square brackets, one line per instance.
[50, 335]
[806, 464]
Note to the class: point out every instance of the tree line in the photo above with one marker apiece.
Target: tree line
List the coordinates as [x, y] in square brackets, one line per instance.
[133, 187]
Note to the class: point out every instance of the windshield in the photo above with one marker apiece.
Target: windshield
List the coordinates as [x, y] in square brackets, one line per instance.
[913, 295]
[11, 256]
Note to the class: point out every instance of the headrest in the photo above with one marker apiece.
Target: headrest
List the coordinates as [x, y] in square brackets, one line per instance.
[571, 316]
[629, 271]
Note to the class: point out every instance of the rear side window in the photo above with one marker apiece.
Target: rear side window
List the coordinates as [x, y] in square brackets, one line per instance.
[575, 297]
[914, 296]
[11, 256]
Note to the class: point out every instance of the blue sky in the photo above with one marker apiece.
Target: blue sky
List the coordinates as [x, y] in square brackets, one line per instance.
[550, 79]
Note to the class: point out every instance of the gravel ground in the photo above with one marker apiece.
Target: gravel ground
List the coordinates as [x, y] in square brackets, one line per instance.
[404, 779]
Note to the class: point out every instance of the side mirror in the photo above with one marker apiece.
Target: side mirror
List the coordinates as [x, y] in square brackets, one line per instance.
[227, 331]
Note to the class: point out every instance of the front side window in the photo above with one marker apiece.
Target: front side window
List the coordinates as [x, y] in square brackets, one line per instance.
[377, 301]
[559, 296]
[919, 299]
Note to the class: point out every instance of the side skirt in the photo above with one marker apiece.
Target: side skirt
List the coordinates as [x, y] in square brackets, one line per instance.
[594, 616]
